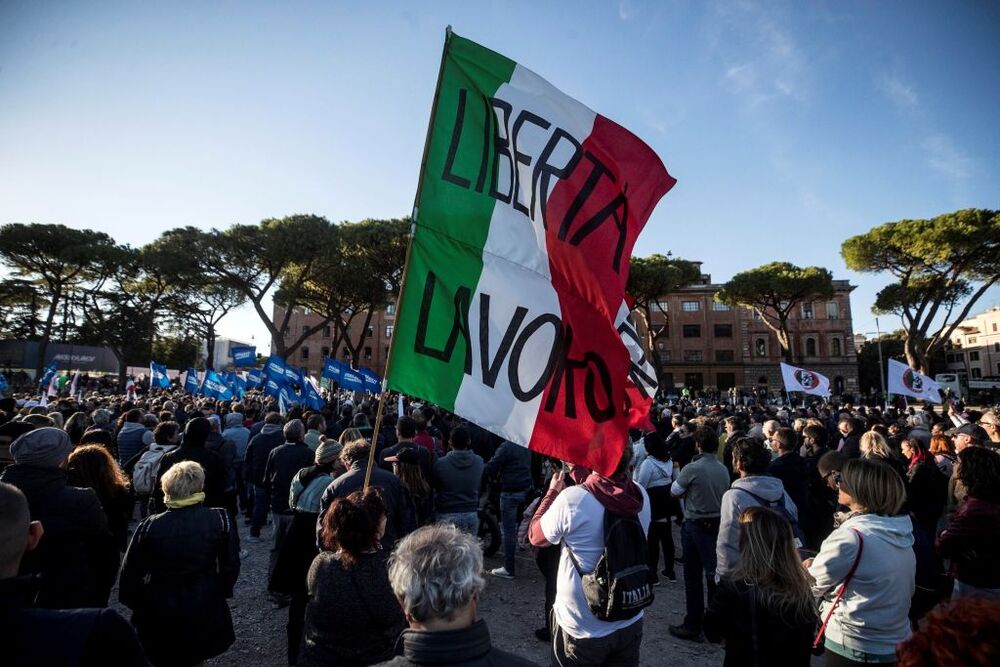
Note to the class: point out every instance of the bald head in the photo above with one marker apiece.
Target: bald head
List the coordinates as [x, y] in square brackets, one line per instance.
[15, 529]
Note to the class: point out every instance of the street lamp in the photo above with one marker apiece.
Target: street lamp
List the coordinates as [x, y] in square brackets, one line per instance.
[881, 364]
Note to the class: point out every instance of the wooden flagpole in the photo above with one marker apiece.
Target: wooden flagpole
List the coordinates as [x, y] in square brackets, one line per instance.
[406, 262]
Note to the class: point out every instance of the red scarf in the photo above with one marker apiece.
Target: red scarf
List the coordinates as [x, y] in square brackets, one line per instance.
[619, 495]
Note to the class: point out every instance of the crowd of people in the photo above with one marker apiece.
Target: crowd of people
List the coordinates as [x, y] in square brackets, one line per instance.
[861, 532]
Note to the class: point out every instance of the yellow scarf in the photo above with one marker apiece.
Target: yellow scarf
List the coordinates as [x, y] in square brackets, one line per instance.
[193, 499]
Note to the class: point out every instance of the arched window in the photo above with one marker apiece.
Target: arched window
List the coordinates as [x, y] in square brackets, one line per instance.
[810, 347]
[760, 347]
[835, 347]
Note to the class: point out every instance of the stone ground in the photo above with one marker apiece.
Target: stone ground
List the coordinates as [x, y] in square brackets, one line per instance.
[512, 608]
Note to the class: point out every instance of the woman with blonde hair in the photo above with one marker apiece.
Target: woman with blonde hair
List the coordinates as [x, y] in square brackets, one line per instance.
[765, 611]
[864, 572]
[875, 446]
[180, 568]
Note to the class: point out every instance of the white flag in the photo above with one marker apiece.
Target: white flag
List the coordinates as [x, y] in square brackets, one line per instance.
[905, 381]
[805, 381]
[74, 384]
[53, 389]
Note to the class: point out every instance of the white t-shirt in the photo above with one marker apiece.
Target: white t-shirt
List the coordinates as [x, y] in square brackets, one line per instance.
[576, 519]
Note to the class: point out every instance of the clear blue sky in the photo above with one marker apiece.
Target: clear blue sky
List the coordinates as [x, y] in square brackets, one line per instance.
[788, 125]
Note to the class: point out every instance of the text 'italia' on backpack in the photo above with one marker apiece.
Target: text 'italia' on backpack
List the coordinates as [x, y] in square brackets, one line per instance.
[618, 588]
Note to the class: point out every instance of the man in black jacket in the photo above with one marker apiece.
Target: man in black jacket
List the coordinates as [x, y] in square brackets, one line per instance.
[35, 636]
[193, 449]
[283, 463]
[789, 467]
[512, 463]
[435, 576]
[78, 559]
[258, 451]
[399, 507]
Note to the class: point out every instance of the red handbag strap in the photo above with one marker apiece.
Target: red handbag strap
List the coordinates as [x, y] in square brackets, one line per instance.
[843, 587]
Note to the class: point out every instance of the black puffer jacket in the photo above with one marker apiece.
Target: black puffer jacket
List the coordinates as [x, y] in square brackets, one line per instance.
[469, 647]
[194, 450]
[258, 449]
[77, 557]
[178, 571]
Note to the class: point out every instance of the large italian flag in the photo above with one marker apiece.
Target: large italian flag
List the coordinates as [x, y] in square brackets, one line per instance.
[512, 313]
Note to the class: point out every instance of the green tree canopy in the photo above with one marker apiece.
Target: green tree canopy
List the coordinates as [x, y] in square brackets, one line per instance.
[774, 290]
[650, 280]
[937, 265]
[55, 258]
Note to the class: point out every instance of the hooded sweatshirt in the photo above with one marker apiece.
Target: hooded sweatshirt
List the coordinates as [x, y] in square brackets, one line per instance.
[872, 615]
[456, 480]
[734, 501]
[653, 473]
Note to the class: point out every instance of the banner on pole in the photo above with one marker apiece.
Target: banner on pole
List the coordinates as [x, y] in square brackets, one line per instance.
[804, 381]
[522, 325]
[905, 381]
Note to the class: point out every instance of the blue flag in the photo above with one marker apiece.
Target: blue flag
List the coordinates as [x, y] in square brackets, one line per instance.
[294, 375]
[352, 380]
[373, 382]
[286, 397]
[191, 385]
[243, 356]
[50, 370]
[273, 386]
[275, 367]
[311, 397]
[333, 369]
[214, 386]
[158, 375]
[241, 387]
[255, 378]
[3, 384]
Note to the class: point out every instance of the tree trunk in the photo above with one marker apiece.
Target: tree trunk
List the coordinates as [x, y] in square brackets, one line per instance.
[210, 348]
[916, 354]
[43, 344]
[122, 369]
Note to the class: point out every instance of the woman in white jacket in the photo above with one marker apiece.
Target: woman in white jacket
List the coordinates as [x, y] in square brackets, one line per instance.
[655, 474]
[876, 542]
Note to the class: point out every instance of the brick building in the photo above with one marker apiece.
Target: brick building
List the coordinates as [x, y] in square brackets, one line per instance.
[974, 347]
[374, 349]
[710, 345]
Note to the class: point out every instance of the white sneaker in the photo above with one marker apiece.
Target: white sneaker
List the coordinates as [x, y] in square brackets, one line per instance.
[502, 573]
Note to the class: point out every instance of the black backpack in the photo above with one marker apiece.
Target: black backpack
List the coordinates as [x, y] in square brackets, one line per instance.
[619, 587]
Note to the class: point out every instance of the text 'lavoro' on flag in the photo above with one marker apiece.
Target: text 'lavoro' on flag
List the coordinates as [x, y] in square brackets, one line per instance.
[513, 312]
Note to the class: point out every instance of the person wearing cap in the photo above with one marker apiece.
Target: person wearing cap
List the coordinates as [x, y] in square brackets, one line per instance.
[991, 424]
[966, 435]
[406, 466]
[78, 559]
[299, 548]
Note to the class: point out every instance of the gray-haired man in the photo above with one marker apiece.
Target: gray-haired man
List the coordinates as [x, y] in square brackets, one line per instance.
[435, 573]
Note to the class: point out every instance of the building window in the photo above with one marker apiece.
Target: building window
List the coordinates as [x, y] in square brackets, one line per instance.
[388, 330]
[754, 314]
[725, 355]
[832, 310]
[976, 374]
[660, 307]
[960, 356]
[304, 353]
[327, 331]
[306, 311]
[807, 311]
[972, 340]
[325, 351]
[691, 330]
[368, 354]
[665, 355]
[994, 326]
[810, 347]
[693, 355]
[723, 330]
[760, 347]
[973, 356]
[660, 345]
[996, 347]
[690, 306]
[835, 347]
[720, 307]
[370, 331]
